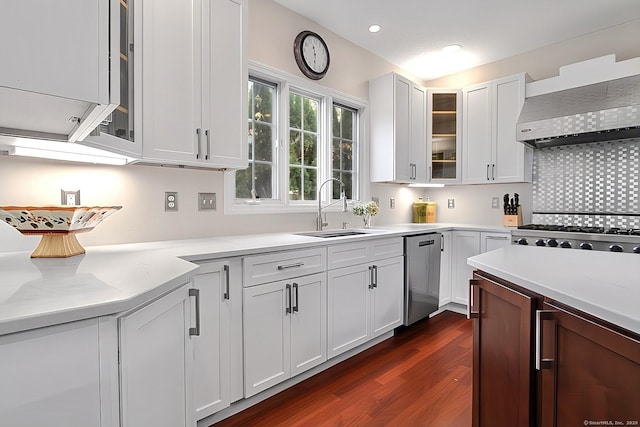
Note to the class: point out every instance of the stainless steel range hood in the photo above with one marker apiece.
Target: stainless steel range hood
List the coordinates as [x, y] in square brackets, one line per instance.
[602, 111]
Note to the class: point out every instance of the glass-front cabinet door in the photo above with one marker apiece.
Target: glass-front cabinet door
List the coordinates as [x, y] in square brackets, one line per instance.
[443, 135]
[116, 132]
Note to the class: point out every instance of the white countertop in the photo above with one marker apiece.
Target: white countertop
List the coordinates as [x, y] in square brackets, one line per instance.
[116, 278]
[603, 284]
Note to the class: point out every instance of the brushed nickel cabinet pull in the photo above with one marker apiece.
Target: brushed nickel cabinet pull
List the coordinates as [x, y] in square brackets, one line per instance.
[199, 138]
[541, 316]
[195, 293]
[470, 313]
[226, 281]
[284, 267]
[288, 295]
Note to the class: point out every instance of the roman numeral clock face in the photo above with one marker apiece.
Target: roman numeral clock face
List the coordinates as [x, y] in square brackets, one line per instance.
[311, 54]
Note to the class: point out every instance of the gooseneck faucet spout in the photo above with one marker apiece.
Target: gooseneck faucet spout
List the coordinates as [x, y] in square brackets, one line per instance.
[343, 198]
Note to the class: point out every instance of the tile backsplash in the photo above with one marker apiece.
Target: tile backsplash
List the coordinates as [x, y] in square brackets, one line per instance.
[595, 184]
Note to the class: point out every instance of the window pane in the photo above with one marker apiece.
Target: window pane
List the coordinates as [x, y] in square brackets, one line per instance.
[309, 184]
[347, 179]
[263, 102]
[337, 113]
[335, 154]
[310, 111]
[310, 155]
[347, 155]
[263, 142]
[295, 147]
[262, 181]
[347, 123]
[250, 141]
[244, 183]
[295, 111]
[295, 183]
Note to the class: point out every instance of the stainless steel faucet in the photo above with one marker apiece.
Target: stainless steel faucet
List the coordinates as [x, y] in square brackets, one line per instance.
[343, 198]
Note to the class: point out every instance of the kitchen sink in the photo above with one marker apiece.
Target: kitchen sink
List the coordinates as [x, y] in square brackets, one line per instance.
[331, 233]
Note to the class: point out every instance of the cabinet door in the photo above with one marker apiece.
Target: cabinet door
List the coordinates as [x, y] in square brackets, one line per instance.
[445, 269]
[387, 296]
[402, 134]
[156, 364]
[502, 361]
[512, 159]
[476, 139]
[267, 309]
[52, 376]
[465, 244]
[308, 322]
[225, 85]
[348, 307]
[444, 130]
[171, 72]
[418, 142]
[591, 372]
[491, 241]
[211, 347]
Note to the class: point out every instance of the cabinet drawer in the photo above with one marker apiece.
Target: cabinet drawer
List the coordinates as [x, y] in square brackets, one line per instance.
[386, 248]
[283, 265]
[348, 254]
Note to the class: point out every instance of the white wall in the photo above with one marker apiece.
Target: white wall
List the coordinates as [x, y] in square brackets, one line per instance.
[140, 189]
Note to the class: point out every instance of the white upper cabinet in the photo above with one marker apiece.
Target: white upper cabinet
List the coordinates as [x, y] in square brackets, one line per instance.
[56, 79]
[490, 151]
[194, 83]
[398, 130]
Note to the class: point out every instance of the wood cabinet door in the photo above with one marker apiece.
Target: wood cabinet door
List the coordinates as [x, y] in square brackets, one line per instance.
[590, 372]
[502, 355]
[267, 344]
[348, 308]
[308, 322]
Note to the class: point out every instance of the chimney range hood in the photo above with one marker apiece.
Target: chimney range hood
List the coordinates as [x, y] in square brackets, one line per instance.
[595, 100]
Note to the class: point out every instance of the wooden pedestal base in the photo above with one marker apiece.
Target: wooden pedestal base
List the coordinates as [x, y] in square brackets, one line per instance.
[58, 246]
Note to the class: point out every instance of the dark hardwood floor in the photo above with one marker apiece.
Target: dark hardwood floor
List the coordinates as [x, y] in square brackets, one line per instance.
[420, 377]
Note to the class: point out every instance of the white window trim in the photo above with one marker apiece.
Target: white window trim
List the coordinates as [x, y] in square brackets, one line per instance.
[282, 205]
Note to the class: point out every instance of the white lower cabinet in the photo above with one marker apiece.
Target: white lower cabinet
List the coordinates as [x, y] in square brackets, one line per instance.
[445, 269]
[156, 364]
[284, 330]
[216, 381]
[467, 244]
[367, 299]
[59, 376]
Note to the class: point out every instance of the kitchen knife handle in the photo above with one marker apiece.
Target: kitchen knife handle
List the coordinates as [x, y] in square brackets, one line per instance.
[226, 282]
[542, 315]
[193, 292]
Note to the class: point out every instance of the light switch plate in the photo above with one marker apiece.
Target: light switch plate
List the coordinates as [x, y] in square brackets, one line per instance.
[451, 203]
[206, 201]
[392, 202]
[495, 203]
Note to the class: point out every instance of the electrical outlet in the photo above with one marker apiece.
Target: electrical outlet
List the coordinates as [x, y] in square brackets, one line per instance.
[392, 202]
[171, 201]
[206, 201]
[451, 203]
[70, 197]
[495, 203]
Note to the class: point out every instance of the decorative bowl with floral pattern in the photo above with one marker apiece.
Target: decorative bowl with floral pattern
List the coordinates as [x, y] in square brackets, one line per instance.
[56, 224]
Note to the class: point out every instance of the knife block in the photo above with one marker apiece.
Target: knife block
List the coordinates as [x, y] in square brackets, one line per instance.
[513, 220]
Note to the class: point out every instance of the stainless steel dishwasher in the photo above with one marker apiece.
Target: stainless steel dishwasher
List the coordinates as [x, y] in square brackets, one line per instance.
[422, 276]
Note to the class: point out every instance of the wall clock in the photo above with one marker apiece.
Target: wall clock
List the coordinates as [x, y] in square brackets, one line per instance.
[312, 54]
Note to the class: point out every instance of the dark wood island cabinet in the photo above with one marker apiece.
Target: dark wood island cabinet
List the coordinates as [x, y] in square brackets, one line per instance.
[537, 362]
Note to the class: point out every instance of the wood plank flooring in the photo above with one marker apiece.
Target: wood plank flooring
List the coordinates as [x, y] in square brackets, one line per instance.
[420, 377]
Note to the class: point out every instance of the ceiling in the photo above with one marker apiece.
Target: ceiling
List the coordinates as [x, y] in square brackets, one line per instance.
[415, 31]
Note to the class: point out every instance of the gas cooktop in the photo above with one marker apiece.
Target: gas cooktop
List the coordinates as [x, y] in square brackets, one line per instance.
[578, 237]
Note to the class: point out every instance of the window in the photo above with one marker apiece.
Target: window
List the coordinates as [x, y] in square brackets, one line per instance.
[304, 134]
[343, 149]
[259, 177]
[299, 135]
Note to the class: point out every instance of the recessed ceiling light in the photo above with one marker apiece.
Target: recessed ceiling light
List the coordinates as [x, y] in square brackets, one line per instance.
[452, 48]
[374, 28]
